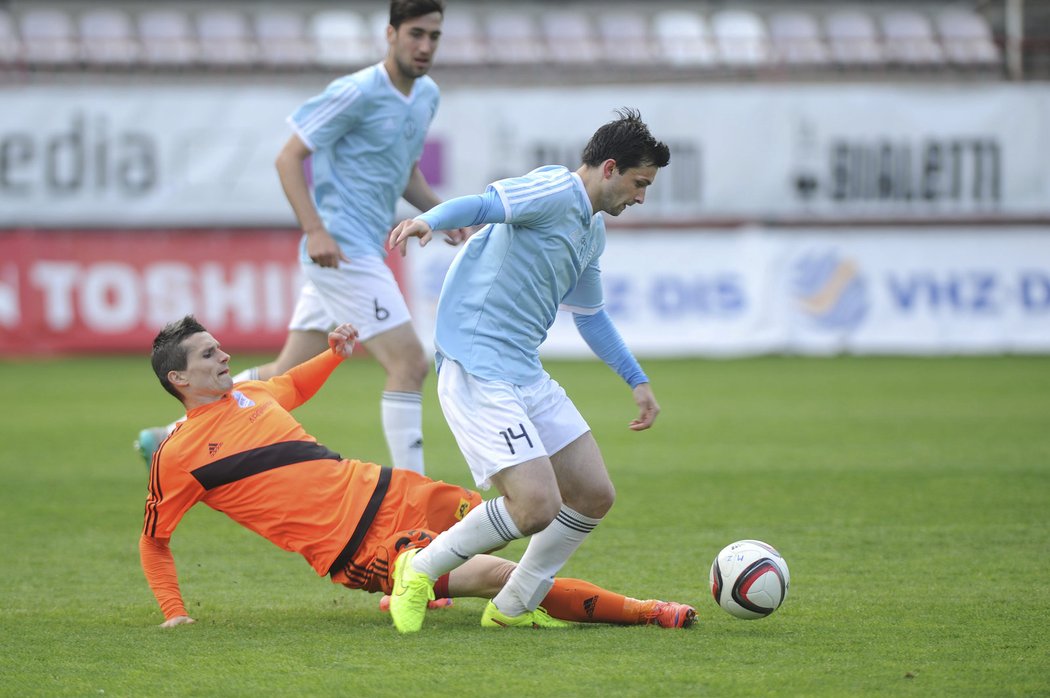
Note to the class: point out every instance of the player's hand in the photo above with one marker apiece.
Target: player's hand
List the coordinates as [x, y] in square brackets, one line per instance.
[648, 408]
[342, 339]
[177, 620]
[411, 228]
[458, 235]
[322, 248]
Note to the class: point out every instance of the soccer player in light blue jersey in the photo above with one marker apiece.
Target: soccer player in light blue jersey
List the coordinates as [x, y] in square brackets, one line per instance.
[514, 424]
[365, 134]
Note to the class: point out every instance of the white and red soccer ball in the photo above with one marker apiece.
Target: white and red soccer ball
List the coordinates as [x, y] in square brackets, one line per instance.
[749, 579]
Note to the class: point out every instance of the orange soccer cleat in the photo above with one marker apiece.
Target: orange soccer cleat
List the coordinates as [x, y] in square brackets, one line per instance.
[668, 614]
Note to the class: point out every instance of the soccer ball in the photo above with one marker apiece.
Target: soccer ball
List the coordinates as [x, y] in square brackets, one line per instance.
[749, 579]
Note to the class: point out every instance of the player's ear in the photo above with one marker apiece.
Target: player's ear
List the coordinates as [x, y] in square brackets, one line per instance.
[391, 34]
[608, 167]
[177, 378]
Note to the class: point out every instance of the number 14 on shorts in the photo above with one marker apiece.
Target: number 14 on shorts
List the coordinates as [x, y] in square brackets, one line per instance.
[510, 436]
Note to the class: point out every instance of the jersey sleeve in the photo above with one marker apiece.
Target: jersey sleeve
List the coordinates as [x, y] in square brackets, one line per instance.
[300, 383]
[168, 499]
[158, 564]
[586, 298]
[465, 211]
[536, 200]
[324, 119]
[605, 341]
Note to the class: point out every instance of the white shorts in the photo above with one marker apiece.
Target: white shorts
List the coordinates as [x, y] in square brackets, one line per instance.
[498, 424]
[362, 292]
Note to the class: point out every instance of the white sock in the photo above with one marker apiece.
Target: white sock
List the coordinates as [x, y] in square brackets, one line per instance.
[403, 428]
[484, 528]
[248, 374]
[547, 553]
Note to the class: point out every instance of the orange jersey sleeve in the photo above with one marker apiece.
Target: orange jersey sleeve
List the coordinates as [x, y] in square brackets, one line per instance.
[299, 384]
[159, 566]
[246, 456]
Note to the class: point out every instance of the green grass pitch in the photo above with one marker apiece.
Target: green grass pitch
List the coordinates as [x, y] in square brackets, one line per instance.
[909, 496]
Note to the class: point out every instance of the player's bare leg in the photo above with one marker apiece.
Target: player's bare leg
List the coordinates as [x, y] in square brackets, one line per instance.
[587, 493]
[401, 355]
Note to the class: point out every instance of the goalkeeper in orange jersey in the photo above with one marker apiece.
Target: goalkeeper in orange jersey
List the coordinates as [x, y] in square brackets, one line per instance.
[241, 452]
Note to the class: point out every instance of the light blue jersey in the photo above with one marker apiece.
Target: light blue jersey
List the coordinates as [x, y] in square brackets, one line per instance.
[365, 136]
[504, 288]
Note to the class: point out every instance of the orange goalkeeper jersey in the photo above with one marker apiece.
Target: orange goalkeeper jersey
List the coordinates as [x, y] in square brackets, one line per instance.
[246, 456]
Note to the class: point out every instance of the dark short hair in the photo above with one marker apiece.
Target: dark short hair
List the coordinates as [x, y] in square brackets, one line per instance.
[400, 10]
[627, 141]
[169, 354]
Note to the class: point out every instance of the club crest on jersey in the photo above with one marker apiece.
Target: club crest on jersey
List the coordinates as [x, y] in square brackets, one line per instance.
[461, 511]
[243, 401]
[585, 241]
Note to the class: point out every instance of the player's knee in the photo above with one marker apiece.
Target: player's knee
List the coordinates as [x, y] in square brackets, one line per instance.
[415, 370]
[535, 512]
[410, 373]
[596, 501]
[420, 370]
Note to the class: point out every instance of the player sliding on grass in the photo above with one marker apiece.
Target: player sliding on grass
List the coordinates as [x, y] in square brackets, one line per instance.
[241, 452]
[515, 425]
[365, 136]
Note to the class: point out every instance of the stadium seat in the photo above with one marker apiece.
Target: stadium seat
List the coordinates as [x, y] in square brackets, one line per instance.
[908, 39]
[795, 39]
[512, 38]
[48, 37]
[462, 42]
[570, 36]
[226, 38]
[625, 37]
[967, 39]
[341, 39]
[280, 36]
[107, 38]
[683, 38]
[741, 38]
[167, 38]
[10, 44]
[853, 39]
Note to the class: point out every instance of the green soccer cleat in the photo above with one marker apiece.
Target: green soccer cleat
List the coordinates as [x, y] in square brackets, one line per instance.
[148, 441]
[492, 618]
[384, 604]
[411, 593]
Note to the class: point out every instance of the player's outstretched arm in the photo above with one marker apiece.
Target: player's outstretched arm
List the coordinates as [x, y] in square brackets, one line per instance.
[419, 194]
[647, 406]
[158, 565]
[457, 215]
